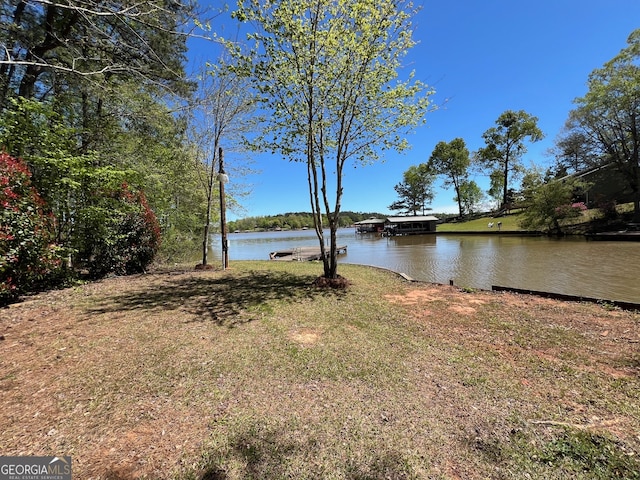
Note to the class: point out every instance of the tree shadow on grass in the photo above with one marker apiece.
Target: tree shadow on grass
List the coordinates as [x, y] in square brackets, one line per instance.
[227, 300]
[275, 453]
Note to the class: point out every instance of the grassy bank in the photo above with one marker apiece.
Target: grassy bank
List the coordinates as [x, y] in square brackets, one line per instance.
[509, 224]
[590, 220]
[253, 373]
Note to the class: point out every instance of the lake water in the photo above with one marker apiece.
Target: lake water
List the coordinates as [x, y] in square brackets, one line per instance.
[571, 266]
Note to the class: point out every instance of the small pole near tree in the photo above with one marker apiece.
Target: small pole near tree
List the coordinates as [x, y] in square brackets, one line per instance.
[223, 178]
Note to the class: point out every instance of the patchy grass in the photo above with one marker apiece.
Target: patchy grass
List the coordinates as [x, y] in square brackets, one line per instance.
[255, 373]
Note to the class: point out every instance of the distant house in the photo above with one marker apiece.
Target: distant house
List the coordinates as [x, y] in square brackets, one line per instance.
[410, 225]
[606, 183]
[370, 225]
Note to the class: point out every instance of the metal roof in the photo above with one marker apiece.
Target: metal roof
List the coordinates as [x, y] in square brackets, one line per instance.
[370, 221]
[413, 218]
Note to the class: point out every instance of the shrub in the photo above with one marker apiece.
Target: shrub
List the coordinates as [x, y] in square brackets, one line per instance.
[29, 259]
[121, 233]
[570, 210]
[550, 203]
[143, 235]
[607, 207]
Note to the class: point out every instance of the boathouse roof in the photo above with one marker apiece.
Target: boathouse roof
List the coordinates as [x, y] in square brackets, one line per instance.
[371, 221]
[412, 218]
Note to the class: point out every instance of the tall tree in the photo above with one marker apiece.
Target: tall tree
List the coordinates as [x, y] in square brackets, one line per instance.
[220, 110]
[470, 197]
[505, 145]
[496, 188]
[609, 114]
[415, 190]
[452, 161]
[327, 71]
[574, 152]
[144, 137]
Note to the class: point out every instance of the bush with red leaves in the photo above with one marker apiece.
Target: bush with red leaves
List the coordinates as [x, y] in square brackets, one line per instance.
[122, 234]
[29, 259]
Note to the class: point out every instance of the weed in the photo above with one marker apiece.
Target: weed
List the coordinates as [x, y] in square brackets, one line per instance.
[571, 453]
[579, 451]
[608, 306]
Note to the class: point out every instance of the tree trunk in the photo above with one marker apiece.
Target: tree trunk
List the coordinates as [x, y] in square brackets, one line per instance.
[505, 188]
[636, 197]
[333, 261]
[205, 243]
[334, 221]
[457, 187]
[32, 72]
[312, 179]
[8, 70]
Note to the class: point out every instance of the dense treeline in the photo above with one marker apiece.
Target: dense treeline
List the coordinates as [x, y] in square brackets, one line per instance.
[300, 220]
[95, 166]
[294, 221]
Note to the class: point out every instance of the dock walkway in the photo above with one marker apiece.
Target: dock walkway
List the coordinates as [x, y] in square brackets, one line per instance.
[302, 254]
[626, 235]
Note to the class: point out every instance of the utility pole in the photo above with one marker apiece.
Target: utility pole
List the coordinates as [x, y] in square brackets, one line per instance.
[223, 178]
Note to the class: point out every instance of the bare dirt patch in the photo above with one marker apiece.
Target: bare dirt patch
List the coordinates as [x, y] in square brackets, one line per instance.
[611, 336]
[72, 381]
[462, 309]
[305, 336]
[414, 297]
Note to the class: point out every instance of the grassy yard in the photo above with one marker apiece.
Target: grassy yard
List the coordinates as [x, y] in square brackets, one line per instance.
[253, 373]
[509, 224]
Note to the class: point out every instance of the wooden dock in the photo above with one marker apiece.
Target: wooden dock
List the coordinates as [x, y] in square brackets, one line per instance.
[302, 254]
[628, 236]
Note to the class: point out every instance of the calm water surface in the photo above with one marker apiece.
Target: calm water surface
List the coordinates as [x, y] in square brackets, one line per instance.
[607, 270]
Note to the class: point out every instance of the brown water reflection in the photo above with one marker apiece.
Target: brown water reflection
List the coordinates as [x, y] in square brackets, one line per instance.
[570, 266]
[573, 266]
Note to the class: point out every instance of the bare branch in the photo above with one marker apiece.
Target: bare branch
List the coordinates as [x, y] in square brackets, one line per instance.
[131, 11]
[108, 68]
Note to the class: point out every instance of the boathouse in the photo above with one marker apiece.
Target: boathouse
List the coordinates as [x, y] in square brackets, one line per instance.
[410, 225]
[370, 225]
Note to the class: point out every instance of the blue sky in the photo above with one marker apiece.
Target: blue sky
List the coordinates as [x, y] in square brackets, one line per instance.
[482, 58]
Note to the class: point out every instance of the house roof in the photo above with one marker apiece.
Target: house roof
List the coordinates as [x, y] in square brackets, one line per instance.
[587, 172]
[413, 218]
